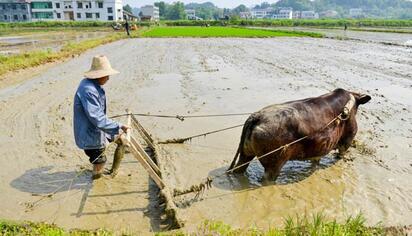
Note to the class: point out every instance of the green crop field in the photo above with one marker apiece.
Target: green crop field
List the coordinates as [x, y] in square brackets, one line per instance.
[204, 32]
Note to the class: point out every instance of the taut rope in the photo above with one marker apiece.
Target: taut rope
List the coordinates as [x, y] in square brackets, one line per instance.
[181, 117]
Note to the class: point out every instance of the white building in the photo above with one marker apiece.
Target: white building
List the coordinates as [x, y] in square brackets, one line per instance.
[77, 10]
[190, 14]
[329, 14]
[309, 15]
[150, 12]
[284, 14]
[261, 13]
[245, 15]
[356, 12]
[296, 15]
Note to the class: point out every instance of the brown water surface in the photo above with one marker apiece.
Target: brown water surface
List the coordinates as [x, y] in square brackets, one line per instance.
[211, 76]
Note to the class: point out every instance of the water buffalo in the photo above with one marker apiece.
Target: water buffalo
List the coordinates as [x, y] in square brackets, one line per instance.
[277, 125]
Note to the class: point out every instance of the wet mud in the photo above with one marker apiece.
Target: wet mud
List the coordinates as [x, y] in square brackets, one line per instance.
[211, 76]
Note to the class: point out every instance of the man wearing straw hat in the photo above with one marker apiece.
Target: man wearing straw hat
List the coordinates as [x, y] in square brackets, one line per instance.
[92, 128]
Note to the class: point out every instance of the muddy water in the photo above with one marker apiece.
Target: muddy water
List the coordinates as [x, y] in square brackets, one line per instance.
[396, 38]
[48, 41]
[213, 76]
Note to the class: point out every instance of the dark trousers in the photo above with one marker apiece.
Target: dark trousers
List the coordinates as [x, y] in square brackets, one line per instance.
[96, 156]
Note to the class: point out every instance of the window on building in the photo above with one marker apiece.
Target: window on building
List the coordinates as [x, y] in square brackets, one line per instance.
[79, 5]
[3, 6]
[5, 17]
[14, 6]
[97, 15]
[109, 10]
[110, 18]
[79, 15]
[100, 4]
[58, 15]
[15, 17]
[89, 4]
[23, 7]
[118, 10]
[89, 15]
[57, 5]
[43, 15]
[24, 17]
[41, 5]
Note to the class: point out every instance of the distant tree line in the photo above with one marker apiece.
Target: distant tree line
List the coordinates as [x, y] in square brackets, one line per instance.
[372, 8]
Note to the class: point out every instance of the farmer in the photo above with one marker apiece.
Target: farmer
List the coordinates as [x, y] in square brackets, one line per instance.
[92, 128]
[126, 26]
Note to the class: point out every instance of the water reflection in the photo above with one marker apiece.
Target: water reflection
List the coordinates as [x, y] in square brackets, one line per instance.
[292, 171]
[51, 41]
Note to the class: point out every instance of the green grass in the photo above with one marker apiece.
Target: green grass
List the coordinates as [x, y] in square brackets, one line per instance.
[204, 32]
[315, 225]
[36, 58]
[385, 23]
[30, 228]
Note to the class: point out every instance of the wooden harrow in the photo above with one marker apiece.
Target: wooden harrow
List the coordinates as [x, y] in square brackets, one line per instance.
[151, 166]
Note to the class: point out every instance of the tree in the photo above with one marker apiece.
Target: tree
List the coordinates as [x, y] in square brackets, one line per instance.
[162, 8]
[237, 10]
[297, 5]
[128, 8]
[176, 11]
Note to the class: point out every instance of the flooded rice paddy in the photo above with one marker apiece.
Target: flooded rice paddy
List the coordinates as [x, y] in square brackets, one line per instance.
[54, 41]
[211, 76]
[376, 37]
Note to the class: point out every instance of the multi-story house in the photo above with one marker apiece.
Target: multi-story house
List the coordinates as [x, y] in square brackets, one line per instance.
[296, 15]
[78, 10]
[309, 15]
[14, 11]
[150, 12]
[245, 15]
[190, 14]
[284, 14]
[258, 13]
[356, 13]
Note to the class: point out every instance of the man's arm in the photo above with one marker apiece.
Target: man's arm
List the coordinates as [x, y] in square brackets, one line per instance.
[95, 113]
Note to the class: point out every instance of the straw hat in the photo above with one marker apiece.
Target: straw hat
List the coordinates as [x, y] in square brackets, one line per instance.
[100, 68]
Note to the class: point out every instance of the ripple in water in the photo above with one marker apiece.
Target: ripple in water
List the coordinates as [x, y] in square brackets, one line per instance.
[292, 171]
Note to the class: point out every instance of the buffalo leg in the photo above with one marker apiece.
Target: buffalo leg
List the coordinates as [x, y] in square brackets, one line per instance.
[344, 146]
[347, 139]
[241, 165]
[273, 170]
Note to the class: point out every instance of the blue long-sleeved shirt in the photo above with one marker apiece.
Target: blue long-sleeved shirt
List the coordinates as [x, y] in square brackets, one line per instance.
[91, 125]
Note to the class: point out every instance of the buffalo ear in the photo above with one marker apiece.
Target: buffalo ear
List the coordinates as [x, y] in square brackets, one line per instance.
[364, 99]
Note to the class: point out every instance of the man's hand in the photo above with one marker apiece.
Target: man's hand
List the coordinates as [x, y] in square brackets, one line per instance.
[124, 128]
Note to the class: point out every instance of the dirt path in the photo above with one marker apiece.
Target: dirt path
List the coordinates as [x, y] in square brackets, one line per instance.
[203, 76]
